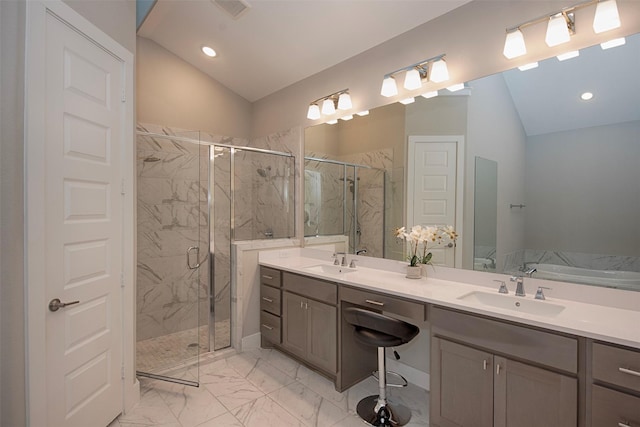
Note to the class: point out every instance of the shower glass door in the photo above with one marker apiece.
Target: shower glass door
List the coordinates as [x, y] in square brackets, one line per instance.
[172, 269]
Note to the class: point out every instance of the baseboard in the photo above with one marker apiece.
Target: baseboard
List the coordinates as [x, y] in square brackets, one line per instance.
[250, 342]
[413, 375]
[131, 395]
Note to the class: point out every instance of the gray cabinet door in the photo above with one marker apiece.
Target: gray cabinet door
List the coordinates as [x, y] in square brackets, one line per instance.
[462, 385]
[294, 324]
[322, 333]
[527, 396]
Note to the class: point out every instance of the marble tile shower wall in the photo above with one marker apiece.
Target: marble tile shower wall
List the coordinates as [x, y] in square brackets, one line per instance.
[518, 259]
[171, 217]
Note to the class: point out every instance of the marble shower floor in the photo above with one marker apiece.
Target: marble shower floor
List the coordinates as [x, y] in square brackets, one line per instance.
[260, 388]
[159, 354]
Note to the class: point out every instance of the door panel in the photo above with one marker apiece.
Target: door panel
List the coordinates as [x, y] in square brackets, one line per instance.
[321, 336]
[463, 386]
[527, 396]
[294, 324]
[83, 228]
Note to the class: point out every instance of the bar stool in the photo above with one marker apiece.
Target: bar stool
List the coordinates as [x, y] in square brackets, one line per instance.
[377, 330]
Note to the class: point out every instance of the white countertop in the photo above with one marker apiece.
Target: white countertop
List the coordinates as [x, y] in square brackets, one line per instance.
[606, 323]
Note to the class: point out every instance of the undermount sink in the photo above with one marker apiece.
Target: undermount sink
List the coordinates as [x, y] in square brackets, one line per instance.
[518, 304]
[330, 269]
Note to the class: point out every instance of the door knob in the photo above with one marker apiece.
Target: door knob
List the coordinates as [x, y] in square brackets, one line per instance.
[55, 304]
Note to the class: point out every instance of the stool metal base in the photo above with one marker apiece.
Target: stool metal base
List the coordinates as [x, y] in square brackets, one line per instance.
[366, 409]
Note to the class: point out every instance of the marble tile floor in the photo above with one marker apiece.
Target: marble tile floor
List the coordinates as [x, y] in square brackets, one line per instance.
[262, 388]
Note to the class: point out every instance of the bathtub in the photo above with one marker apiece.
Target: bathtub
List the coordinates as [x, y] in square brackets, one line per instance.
[609, 278]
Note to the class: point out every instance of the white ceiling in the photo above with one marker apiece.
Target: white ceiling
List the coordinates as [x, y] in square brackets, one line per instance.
[548, 97]
[277, 43]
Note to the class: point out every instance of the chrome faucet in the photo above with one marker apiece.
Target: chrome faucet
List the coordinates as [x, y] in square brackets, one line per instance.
[361, 251]
[519, 285]
[344, 259]
[520, 282]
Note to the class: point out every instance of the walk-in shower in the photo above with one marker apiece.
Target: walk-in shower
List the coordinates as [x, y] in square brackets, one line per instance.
[195, 199]
[346, 198]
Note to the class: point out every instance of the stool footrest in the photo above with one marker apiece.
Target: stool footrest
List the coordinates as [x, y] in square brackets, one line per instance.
[395, 374]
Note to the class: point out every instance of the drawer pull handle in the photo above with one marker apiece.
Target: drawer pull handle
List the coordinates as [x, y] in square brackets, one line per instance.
[267, 299]
[264, 276]
[268, 327]
[378, 303]
[624, 425]
[484, 364]
[629, 371]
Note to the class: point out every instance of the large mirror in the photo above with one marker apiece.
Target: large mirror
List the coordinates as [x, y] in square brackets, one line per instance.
[567, 169]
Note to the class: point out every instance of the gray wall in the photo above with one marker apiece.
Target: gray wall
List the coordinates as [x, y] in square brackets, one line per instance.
[603, 180]
[495, 132]
[12, 339]
[117, 19]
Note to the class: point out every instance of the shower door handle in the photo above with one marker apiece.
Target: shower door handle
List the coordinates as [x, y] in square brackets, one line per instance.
[197, 250]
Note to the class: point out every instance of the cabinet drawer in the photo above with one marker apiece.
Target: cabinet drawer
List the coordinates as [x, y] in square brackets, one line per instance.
[617, 366]
[310, 287]
[385, 303]
[270, 327]
[612, 408]
[270, 299]
[539, 347]
[270, 276]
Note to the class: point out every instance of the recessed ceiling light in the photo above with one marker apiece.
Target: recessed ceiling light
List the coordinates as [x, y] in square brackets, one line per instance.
[568, 55]
[529, 66]
[363, 113]
[613, 43]
[332, 121]
[431, 94]
[586, 96]
[456, 87]
[407, 101]
[209, 51]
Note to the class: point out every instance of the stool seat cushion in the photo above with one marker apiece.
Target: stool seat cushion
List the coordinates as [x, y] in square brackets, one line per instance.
[378, 330]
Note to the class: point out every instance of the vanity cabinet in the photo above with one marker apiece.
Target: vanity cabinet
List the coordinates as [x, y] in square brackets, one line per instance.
[309, 321]
[615, 386]
[486, 372]
[270, 306]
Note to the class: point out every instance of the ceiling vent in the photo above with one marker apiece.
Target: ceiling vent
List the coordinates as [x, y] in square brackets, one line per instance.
[235, 8]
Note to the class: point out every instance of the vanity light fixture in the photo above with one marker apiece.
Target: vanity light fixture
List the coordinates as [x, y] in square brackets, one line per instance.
[607, 17]
[568, 55]
[433, 69]
[514, 44]
[407, 101]
[613, 43]
[208, 51]
[561, 26]
[327, 104]
[529, 66]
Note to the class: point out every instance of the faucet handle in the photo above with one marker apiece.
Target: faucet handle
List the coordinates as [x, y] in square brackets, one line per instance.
[503, 287]
[540, 292]
[352, 264]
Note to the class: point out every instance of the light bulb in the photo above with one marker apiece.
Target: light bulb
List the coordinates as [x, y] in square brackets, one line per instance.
[389, 87]
[606, 17]
[208, 51]
[557, 31]
[328, 107]
[587, 96]
[314, 112]
[514, 45]
[439, 71]
[412, 79]
[344, 102]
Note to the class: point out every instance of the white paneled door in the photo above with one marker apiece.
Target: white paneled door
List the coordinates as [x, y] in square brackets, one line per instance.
[433, 187]
[82, 227]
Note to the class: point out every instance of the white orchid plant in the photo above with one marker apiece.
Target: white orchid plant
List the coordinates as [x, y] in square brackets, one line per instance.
[419, 239]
